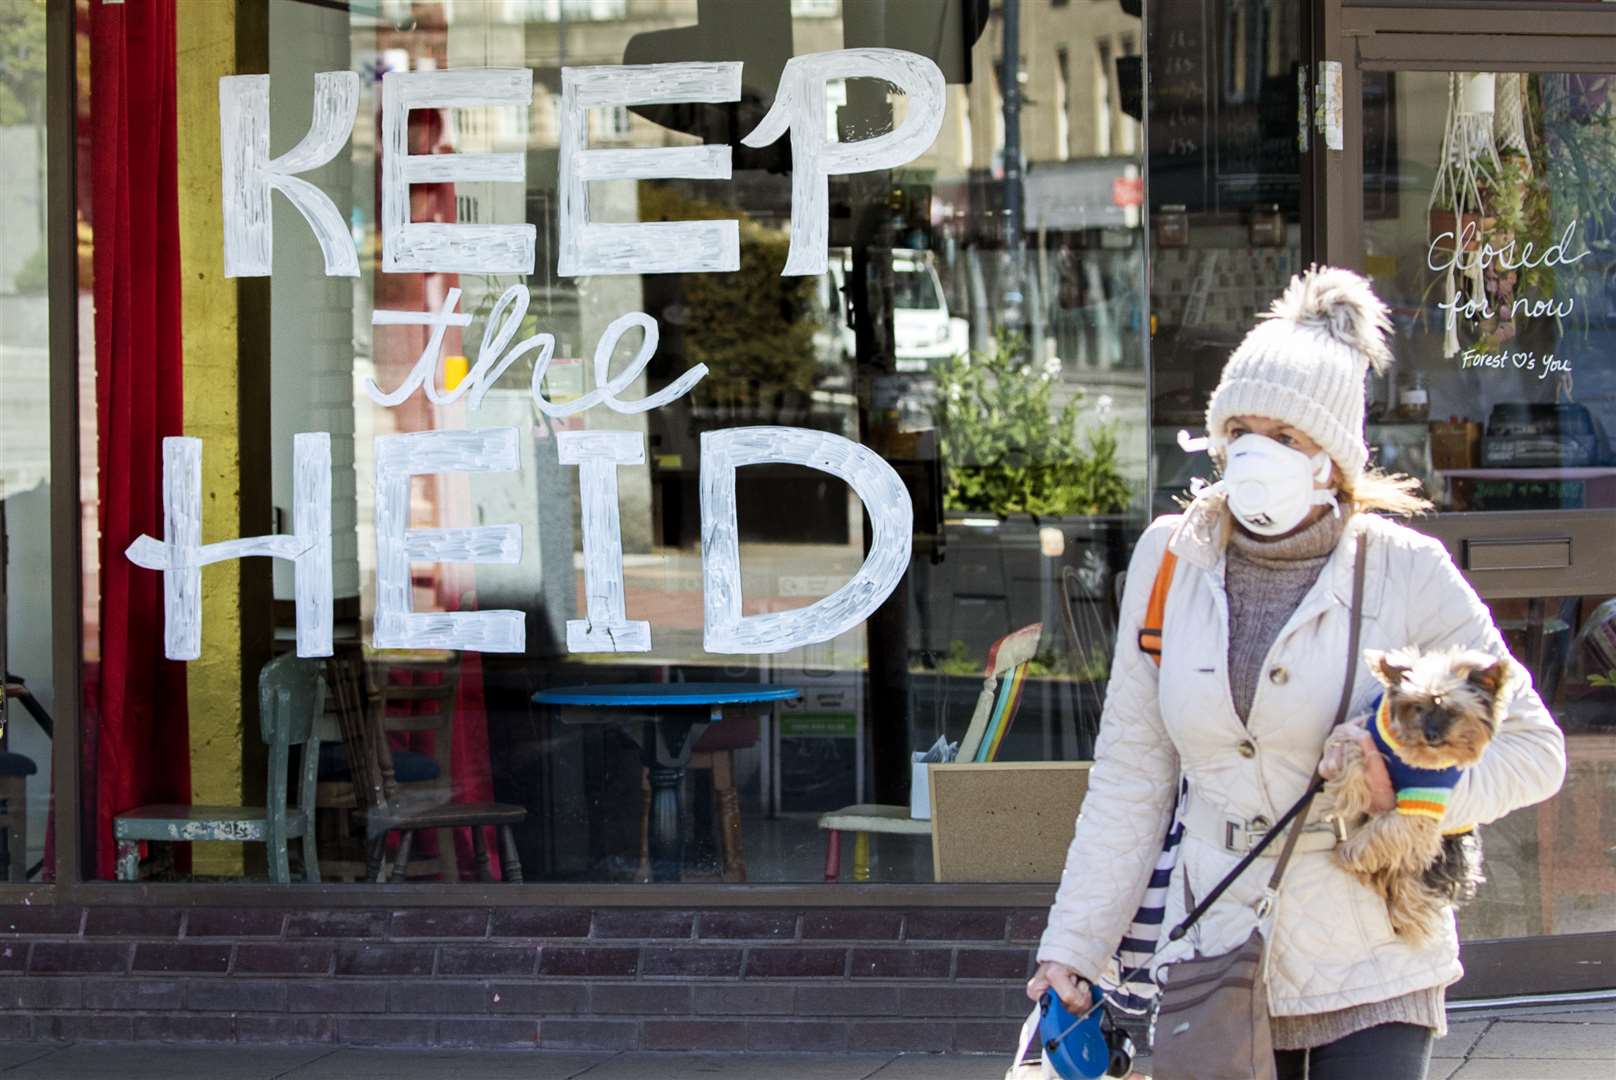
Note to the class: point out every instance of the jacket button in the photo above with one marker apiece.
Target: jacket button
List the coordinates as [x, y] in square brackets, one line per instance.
[1278, 676]
[1248, 749]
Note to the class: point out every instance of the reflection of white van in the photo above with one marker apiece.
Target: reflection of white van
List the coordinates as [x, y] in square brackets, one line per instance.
[923, 332]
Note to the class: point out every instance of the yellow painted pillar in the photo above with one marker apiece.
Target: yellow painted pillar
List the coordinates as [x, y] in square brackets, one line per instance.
[209, 317]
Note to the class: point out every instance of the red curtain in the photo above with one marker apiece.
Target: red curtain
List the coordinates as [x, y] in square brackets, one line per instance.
[138, 743]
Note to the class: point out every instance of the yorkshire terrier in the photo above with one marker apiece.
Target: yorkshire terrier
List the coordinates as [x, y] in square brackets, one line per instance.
[1435, 718]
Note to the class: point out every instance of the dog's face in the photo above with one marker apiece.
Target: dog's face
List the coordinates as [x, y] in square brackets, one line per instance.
[1443, 707]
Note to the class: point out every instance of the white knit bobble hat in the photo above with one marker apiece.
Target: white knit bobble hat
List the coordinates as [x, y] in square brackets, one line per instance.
[1304, 362]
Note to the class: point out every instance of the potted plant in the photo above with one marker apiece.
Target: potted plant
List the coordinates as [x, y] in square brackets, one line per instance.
[1031, 500]
[1008, 449]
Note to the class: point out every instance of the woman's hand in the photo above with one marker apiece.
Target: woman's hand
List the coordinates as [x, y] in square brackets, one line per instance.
[1382, 797]
[1069, 986]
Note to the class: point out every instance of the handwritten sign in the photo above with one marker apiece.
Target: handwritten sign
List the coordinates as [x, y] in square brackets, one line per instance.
[251, 177]
[1462, 252]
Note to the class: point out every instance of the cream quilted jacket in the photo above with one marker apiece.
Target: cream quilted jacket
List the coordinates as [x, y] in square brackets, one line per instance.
[1331, 945]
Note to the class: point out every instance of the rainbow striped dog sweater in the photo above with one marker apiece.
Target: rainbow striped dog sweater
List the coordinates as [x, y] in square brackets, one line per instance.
[1420, 792]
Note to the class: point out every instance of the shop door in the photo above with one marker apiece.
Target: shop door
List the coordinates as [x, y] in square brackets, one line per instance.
[1476, 187]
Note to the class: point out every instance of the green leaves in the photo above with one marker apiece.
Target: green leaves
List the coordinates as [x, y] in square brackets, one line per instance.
[1009, 444]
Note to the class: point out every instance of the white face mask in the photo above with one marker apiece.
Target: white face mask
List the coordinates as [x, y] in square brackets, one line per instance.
[1270, 487]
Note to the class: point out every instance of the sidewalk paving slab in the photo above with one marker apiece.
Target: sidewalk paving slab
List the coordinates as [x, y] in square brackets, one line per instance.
[1530, 1039]
[1443, 1068]
[147, 1061]
[937, 1067]
[1461, 1038]
[1505, 1069]
[14, 1054]
[644, 1066]
[1546, 1043]
[351, 1063]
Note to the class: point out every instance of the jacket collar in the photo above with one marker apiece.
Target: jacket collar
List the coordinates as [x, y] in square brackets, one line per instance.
[1202, 535]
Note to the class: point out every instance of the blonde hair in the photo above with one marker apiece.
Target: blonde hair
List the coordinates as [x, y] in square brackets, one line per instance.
[1383, 492]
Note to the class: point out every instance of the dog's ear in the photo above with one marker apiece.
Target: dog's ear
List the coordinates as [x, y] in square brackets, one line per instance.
[1486, 671]
[1381, 665]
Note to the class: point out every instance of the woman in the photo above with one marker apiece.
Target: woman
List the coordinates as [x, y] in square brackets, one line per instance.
[1253, 648]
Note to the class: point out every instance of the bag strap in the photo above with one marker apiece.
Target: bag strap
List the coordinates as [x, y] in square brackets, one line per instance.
[1296, 816]
[1150, 630]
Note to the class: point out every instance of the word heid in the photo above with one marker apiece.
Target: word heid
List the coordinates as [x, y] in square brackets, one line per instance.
[606, 627]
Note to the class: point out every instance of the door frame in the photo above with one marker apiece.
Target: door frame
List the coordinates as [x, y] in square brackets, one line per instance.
[1367, 36]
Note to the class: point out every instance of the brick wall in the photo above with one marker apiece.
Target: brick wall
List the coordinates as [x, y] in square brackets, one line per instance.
[836, 979]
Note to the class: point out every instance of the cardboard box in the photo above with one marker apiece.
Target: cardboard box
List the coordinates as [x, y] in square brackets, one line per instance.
[1004, 820]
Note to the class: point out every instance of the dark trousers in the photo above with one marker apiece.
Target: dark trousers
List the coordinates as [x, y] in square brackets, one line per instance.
[1385, 1052]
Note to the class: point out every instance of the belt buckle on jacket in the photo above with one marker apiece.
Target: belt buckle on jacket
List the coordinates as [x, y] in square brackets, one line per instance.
[1238, 837]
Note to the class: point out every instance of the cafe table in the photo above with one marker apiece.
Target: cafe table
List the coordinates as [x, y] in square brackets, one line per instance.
[665, 720]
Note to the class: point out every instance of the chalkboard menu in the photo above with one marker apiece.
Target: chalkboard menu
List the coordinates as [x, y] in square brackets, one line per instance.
[1222, 104]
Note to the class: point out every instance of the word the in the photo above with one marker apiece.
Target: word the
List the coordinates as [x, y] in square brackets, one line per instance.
[493, 358]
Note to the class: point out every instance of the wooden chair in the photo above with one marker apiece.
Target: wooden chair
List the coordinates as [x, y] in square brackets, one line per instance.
[996, 707]
[385, 810]
[291, 695]
[424, 703]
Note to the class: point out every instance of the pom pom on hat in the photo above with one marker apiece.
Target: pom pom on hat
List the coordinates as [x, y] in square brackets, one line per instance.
[1304, 363]
[1341, 304]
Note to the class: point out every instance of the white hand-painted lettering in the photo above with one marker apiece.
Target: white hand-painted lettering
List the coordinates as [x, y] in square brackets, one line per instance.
[1465, 250]
[181, 555]
[421, 453]
[249, 176]
[608, 387]
[886, 501]
[665, 247]
[424, 373]
[493, 359]
[424, 246]
[799, 107]
[1541, 366]
[597, 455]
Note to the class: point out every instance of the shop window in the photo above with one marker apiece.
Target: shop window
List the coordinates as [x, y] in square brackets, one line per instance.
[1490, 203]
[970, 356]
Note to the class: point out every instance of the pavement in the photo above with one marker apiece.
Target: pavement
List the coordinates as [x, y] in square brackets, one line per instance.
[1530, 1043]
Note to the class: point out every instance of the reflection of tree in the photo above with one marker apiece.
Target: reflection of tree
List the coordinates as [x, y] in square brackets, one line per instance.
[22, 62]
[753, 328]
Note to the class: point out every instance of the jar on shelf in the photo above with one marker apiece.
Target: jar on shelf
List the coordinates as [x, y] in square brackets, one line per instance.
[1413, 399]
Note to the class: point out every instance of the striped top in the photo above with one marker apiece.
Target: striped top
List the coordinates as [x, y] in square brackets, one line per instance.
[1132, 988]
[1420, 792]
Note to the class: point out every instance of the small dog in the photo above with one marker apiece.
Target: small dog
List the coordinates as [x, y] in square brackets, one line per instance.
[1437, 715]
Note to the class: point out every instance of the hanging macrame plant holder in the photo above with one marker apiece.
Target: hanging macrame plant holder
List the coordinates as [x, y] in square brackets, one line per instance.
[1469, 157]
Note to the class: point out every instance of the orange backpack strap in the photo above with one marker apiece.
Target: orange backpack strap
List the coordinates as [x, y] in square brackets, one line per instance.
[1150, 631]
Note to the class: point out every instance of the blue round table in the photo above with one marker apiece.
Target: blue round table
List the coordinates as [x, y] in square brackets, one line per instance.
[668, 718]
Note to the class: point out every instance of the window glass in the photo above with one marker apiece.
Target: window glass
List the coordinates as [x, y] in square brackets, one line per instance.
[973, 347]
[1490, 203]
[1227, 208]
[27, 714]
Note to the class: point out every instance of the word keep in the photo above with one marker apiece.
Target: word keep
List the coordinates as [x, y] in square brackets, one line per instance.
[250, 175]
